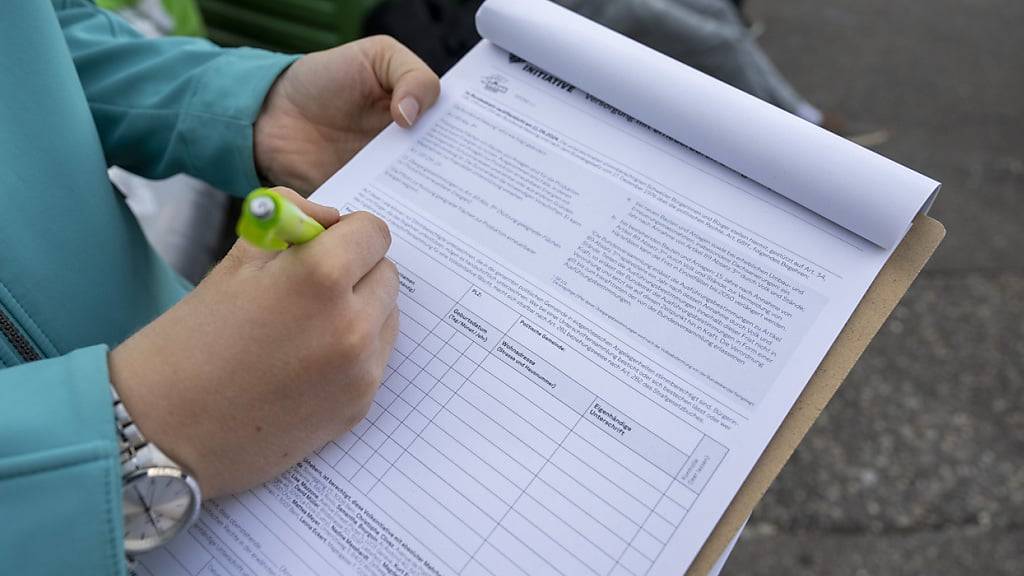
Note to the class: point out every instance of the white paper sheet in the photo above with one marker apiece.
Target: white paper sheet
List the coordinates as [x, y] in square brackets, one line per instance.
[850, 185]
[601, 330]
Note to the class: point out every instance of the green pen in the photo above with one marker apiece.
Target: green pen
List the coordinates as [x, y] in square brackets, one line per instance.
[270, 221]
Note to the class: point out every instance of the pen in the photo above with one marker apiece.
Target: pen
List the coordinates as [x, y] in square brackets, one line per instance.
[270, 221]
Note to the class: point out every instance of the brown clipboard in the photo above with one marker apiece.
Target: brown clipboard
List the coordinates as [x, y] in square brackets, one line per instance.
[881, 298]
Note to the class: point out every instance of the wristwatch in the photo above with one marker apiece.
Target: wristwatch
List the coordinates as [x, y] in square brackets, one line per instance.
[159, 498]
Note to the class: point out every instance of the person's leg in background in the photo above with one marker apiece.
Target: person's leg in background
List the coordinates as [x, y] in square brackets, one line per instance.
[737, 58]
[709, 35]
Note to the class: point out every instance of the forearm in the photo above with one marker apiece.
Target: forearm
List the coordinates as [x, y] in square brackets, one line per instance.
[169, 105]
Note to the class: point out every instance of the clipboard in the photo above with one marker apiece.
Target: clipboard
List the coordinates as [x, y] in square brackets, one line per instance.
[885, 292]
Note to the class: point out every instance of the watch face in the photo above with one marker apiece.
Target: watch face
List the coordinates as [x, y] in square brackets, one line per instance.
[158, 502]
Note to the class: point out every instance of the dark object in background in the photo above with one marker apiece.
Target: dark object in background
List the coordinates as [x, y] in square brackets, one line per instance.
[743, 15]
[296, 26]
[438, 31]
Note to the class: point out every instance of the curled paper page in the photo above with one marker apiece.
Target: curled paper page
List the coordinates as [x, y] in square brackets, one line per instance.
[853, 187]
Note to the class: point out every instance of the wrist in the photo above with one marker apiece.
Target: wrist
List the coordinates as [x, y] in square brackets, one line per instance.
[268, 133]
[135, 385]
[283, 152]
[159, 497]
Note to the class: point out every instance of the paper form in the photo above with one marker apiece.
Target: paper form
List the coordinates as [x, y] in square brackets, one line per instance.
[601, 330]
[850, 185]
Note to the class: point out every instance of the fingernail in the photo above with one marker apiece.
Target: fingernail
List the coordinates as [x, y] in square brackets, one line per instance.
[409, 108]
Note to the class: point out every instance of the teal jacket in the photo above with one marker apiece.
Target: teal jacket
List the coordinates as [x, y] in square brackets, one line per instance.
[79, 91]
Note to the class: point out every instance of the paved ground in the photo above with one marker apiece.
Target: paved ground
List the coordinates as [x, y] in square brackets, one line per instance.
[917, 465]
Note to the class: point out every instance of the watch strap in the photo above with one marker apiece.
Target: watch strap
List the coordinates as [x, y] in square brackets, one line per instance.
[136, 452]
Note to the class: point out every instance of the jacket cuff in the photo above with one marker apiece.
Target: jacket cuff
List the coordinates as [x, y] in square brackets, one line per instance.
[217, 122]
[60, 478]
[62, 401]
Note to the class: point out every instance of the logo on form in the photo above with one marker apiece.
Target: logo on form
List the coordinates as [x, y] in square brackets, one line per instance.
[495, 83]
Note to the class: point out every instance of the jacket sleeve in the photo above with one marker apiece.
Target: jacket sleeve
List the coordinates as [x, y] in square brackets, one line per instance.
[169, 105]
[60, 478]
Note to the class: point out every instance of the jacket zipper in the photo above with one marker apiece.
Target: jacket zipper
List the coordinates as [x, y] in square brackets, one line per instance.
[21, 344]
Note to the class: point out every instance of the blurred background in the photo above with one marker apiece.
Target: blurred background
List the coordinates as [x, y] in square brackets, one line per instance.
[917, 464]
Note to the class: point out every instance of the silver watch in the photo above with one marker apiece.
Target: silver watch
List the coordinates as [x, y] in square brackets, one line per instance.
[159, 498]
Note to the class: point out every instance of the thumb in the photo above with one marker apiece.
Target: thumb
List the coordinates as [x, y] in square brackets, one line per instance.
[413, 85]
[325, 215]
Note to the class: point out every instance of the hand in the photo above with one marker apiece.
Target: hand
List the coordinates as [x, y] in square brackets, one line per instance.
[272, 355]
[330, 104]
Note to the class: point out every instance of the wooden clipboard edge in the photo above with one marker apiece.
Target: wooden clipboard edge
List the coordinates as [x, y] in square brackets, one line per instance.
[879, 301]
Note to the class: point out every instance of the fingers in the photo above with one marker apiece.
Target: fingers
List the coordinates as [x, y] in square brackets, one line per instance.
[385, 343]
[325, 215]
[413, 85]
[388, 334]
[347, 251]
[377, 291]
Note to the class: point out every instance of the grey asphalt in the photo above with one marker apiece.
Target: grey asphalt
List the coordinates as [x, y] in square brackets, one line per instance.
[917, 465]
